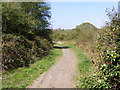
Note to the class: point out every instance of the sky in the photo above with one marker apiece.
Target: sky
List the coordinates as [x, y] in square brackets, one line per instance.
[67, 15]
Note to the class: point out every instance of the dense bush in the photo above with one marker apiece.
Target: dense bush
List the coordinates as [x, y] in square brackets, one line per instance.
[19, 51]
[26, 33]
[109, 45]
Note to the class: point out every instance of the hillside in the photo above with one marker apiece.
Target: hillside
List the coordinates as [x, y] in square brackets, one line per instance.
[84, 35]
[87, 26]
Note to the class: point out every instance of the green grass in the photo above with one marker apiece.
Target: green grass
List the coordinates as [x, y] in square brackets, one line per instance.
[22, 77]
[84, 65]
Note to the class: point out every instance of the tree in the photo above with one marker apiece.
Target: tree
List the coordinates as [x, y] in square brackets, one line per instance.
[24, 17]
[25, 32]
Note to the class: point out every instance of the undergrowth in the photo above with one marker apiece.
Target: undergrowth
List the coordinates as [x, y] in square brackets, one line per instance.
[87, 77]
[22, 77]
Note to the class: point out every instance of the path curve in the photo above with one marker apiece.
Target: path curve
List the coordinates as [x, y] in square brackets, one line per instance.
[60, 75]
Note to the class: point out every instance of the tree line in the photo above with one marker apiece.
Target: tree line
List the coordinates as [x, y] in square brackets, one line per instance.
[25, 33]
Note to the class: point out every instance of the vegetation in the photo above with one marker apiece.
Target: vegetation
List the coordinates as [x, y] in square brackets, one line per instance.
[85, 66]
[27, 39]
[102, 47]
[83, 36]
[61, 35]
[25, 33]
[109, 45]
[22, 77]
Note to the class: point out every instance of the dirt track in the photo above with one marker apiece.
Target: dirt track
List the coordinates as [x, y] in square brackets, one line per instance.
[60, 75]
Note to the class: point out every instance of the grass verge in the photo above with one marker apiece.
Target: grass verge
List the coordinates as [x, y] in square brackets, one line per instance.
[87, 78]
[84, 66]
[22, 77]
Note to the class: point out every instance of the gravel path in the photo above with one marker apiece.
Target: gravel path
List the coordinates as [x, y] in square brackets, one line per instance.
[60, 75]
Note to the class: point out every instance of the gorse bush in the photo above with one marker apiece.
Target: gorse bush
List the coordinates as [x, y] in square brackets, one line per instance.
[26, 33]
